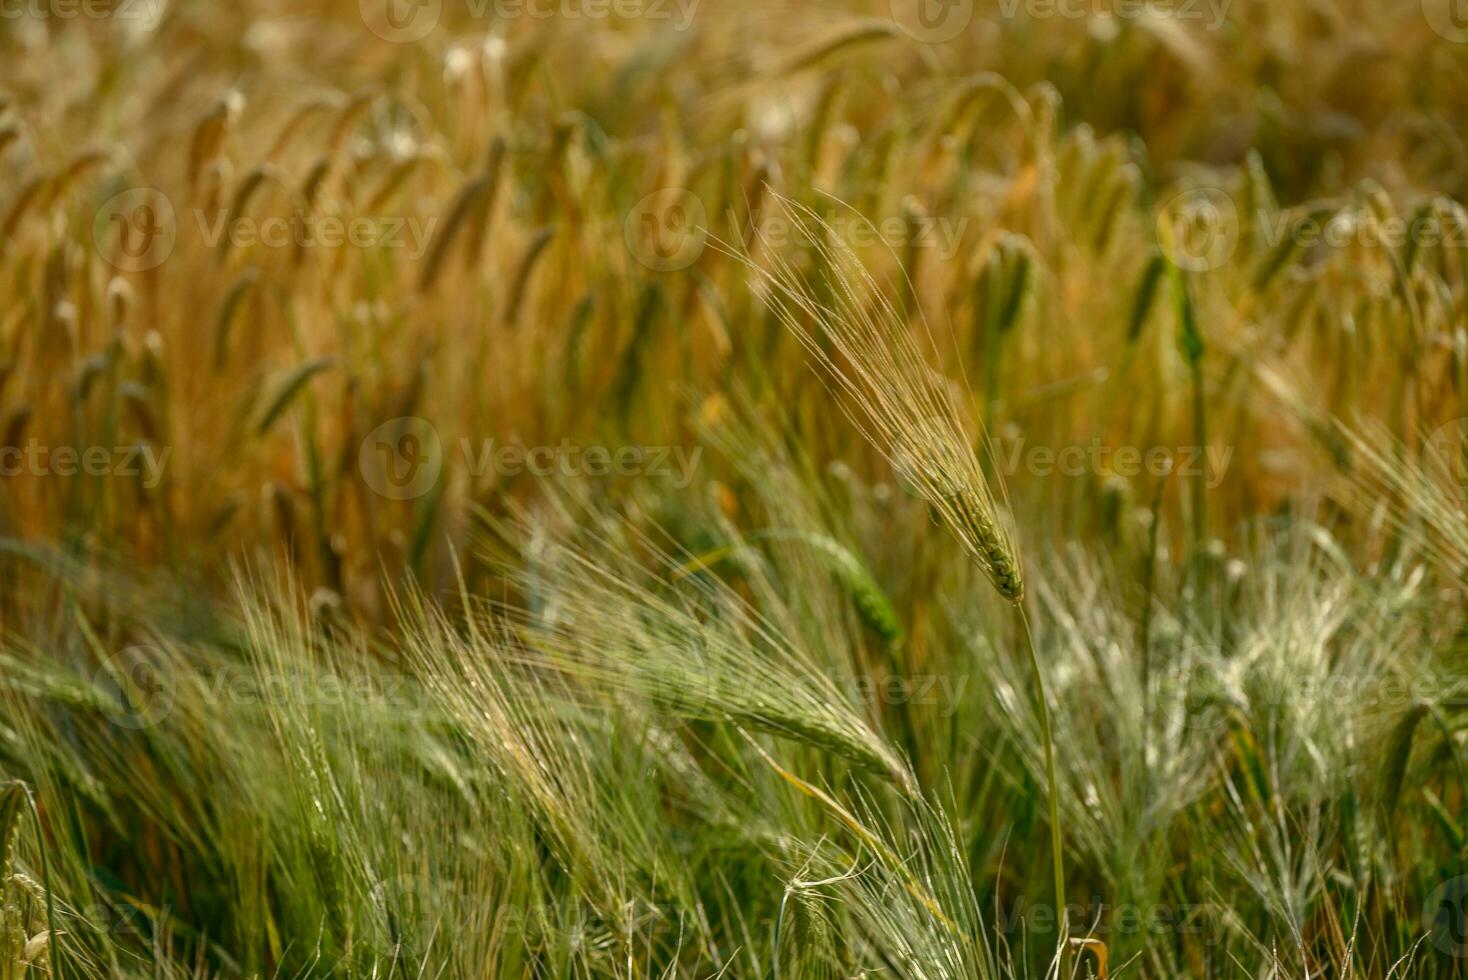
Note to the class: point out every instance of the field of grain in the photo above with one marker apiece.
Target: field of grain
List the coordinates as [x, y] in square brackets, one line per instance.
[733, 488]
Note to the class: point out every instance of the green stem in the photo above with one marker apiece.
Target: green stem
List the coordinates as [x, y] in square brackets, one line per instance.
[1057, 850]
[1200, 437]
[55, 937]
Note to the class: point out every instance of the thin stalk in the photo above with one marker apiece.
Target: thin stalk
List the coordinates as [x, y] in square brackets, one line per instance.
[55, 936]
[1057, 850]
[1200, 437]
[1149, 586]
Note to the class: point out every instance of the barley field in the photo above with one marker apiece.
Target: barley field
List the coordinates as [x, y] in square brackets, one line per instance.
[733, 489]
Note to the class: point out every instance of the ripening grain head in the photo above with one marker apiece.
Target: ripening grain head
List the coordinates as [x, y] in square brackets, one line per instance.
[903, 407]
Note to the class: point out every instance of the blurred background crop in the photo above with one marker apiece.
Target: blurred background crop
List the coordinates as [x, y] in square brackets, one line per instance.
[426, 549]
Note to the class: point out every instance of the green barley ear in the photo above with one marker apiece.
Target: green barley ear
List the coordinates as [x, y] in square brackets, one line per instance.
[233, 301]
[872, 604]
[468, 215]
[806, 948]
[901, 405]
[1145, 296]
[283, 389]
[1004, 284]
[520, 284]
[248, 186]
[1017, 256]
